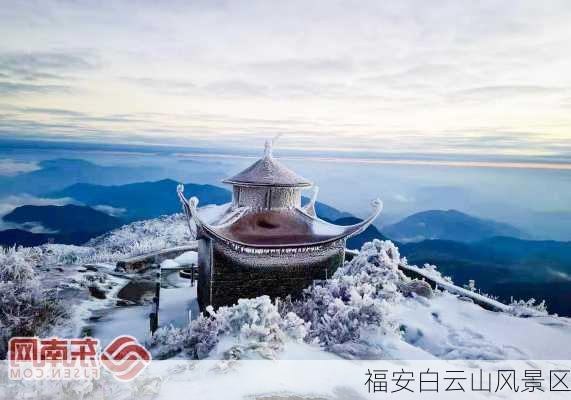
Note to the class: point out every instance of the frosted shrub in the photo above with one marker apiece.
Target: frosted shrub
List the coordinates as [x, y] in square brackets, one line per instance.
[432, 271]
[255, 322]
[374, 269]
[169, 341]
[337, 322]
[254, 325]
[204, 333]
[25, 309]
[529, 308]
[64, 254]
[294, 326]
[14, 266]
[196, 339]
[373, 255]
[356, 299]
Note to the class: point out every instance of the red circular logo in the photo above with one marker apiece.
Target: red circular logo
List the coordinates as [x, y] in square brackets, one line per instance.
[125, 358]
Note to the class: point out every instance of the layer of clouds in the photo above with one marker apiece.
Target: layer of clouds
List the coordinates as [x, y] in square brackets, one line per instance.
[11, 167]
[378, 76]
[184, 129]
[40, 72]
[12, 88]
[110, 210]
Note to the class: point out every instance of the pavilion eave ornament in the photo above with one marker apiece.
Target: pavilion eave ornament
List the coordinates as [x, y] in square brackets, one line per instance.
[190, 209]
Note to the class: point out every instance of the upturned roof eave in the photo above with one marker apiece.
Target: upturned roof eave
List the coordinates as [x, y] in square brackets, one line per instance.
[344, 232]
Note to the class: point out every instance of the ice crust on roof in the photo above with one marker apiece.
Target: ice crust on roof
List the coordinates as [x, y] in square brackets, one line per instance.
[282, 228]
[268, 171]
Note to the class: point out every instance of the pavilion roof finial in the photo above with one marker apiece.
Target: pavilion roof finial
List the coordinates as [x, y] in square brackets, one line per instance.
[268, 171]
[268, 148]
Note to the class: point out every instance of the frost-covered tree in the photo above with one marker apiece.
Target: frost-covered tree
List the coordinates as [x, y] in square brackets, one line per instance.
[25, 309]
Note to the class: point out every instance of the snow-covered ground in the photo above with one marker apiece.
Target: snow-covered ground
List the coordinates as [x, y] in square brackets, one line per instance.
[130, 240]
[177, 305]
[447, 328]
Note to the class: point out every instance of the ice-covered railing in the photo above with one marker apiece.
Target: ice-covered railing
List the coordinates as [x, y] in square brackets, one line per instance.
[145, 261]
[435, 280]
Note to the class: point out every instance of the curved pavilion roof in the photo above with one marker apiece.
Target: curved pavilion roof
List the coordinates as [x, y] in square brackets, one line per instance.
[268, 171]
[279, 228]
[272, 228]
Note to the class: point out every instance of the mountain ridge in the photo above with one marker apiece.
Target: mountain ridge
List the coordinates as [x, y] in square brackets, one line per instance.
[59, 173]
[68, 218]
[449, 225]
[20, 237]
[142, 200]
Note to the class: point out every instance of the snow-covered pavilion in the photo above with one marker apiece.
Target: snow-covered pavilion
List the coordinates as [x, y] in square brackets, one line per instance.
[266, 242]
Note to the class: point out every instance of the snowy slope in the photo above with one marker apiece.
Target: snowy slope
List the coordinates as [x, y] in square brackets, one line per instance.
[448, 328]
[134, 239]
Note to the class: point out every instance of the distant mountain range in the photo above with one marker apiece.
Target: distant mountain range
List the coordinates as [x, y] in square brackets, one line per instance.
[70, 224]
[74, 224]
[516, 259]
[65, 219]
[19, 237]
[449, 225]
[151, 199]
[142, 200]
[59, 173]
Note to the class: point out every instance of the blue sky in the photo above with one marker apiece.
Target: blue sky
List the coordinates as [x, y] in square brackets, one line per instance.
[462, 78]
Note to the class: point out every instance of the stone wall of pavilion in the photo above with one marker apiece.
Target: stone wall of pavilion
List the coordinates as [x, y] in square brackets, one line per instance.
[235, 274]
